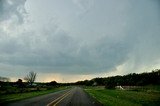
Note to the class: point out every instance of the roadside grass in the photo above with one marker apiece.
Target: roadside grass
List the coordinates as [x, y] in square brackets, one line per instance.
[8, 98]
[124, 98]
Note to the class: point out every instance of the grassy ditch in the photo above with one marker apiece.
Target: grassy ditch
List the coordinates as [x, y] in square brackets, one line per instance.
[8, 98]
[124, 97]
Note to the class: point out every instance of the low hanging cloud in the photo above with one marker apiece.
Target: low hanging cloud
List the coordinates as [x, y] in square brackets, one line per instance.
[12, 9]
[84, 5]
[131, 37]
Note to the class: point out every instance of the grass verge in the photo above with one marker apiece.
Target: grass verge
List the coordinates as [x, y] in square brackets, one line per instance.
[5, 99]
[124, 98]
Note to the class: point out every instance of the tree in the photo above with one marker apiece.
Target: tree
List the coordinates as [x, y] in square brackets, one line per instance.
[19, 83]
[31, 77]
[53, 83]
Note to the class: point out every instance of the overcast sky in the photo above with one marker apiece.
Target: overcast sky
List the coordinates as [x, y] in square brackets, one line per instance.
[70, 40]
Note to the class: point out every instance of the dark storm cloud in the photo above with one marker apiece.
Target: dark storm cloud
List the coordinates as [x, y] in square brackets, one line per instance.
[133, 30]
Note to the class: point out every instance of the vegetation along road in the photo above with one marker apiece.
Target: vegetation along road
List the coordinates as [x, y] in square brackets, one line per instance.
[134, 97]
[70, 97]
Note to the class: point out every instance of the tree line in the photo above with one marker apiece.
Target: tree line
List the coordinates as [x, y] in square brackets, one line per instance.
[132, 79]
[19, 86]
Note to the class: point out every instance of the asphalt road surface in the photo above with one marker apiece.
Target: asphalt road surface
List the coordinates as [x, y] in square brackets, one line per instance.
[70, 97]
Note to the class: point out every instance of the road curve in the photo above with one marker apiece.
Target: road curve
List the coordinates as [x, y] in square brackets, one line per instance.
[70, 97]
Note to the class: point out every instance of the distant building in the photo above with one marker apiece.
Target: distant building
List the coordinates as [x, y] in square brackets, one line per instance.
[119, 87]
[95, 84]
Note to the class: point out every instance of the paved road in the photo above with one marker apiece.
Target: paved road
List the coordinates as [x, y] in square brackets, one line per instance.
[71, 97]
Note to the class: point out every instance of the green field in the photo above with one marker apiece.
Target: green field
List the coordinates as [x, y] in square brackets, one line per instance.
[20, 96]
[125, 98]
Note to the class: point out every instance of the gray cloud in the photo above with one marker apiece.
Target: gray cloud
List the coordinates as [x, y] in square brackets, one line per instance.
[84, 5]
[102, 40]
[12, 9]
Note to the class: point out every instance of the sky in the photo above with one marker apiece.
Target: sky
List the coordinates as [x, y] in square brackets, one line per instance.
[71, 40]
